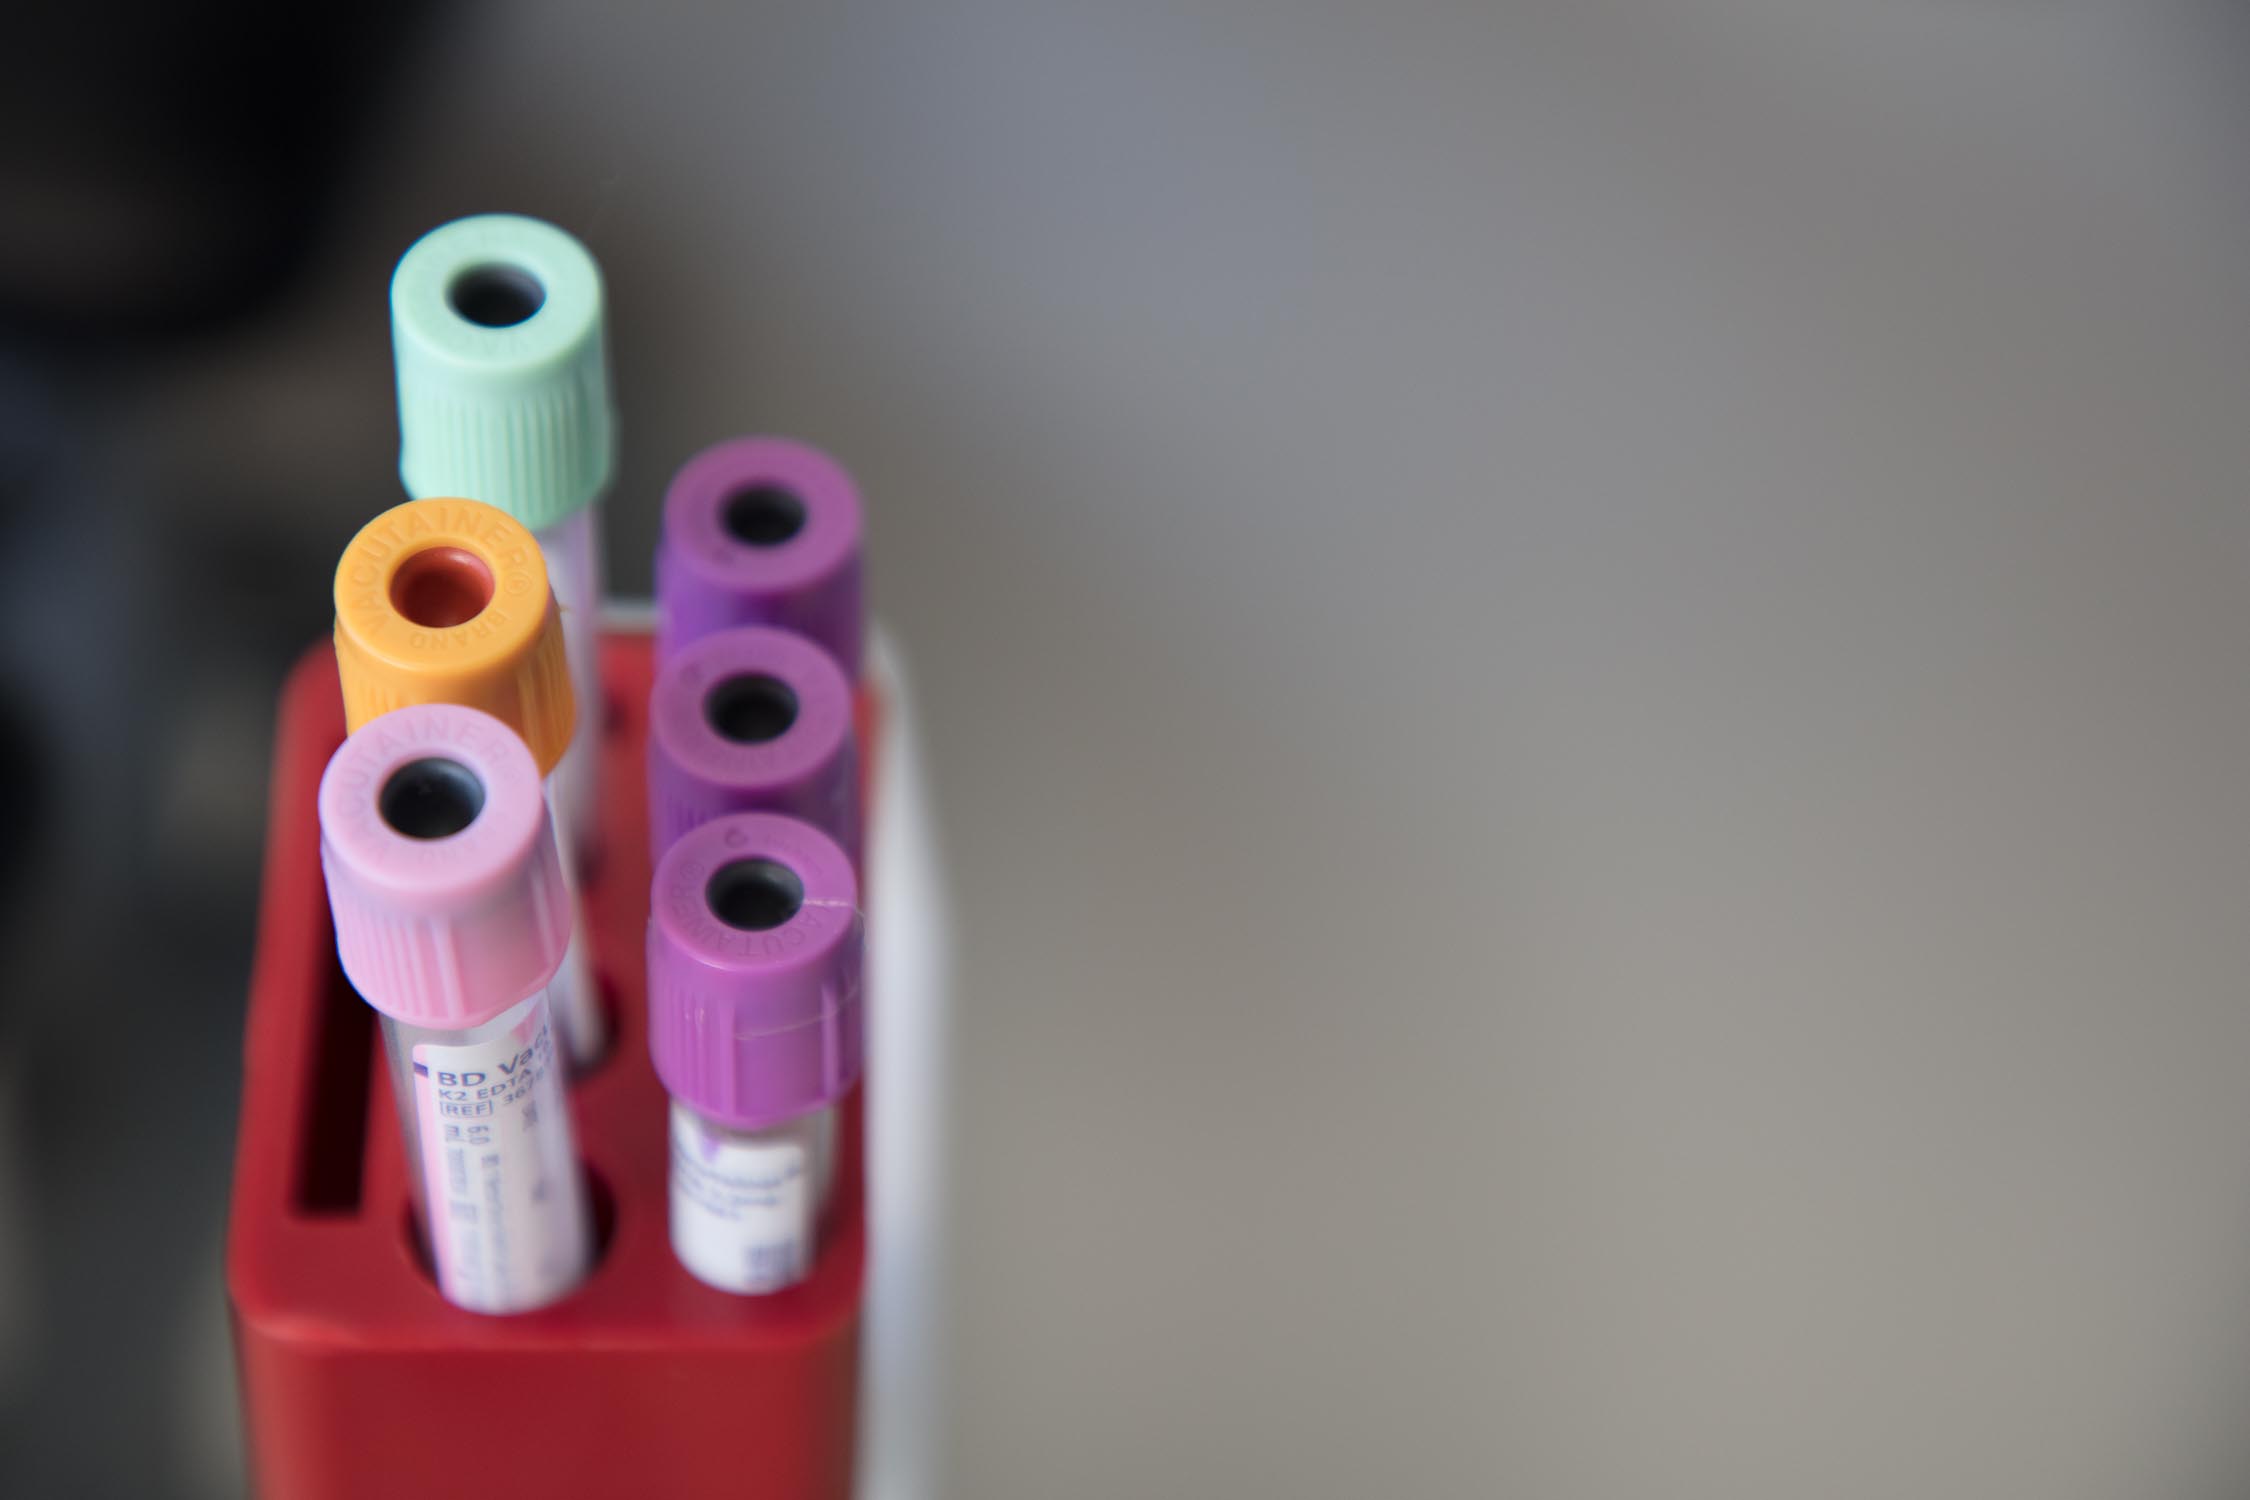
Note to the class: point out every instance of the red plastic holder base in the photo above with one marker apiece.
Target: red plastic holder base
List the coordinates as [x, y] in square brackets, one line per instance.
[357, 1378]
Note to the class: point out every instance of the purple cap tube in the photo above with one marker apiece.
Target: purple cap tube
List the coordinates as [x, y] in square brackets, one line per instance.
[752, 720]
[761, 531]
[755, 1021]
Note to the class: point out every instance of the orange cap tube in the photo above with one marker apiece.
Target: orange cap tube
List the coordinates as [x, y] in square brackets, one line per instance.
[447, 601]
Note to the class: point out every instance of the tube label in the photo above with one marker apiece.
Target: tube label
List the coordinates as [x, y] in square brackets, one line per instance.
[508, 1225]
[742, 1206]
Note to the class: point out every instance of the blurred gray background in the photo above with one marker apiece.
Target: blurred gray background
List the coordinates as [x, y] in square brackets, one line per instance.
[1585, 664]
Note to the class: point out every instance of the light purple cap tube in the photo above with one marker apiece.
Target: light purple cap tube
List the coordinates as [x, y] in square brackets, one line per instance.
[761, 531]
[752, 720]
[754, 963]
[442, 924]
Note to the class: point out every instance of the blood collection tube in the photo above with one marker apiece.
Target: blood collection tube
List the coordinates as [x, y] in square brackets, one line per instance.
[451, 919]
[754, 965]
[447, 601]
[752, 720]
[503, 393]
[761, 531]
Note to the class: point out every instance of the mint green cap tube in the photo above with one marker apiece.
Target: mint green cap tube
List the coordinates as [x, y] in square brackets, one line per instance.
[503, 377]
[503, 396]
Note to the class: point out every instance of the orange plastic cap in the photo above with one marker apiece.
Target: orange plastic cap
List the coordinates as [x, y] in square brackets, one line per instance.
[447, 601]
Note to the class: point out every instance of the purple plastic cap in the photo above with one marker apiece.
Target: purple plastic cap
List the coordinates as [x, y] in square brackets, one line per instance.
[754, 971]
[752, 720]
[761, 531]
[441, 866]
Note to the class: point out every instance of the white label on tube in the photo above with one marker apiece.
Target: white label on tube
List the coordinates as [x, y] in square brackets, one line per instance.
[742, 1207]
[508, 1227]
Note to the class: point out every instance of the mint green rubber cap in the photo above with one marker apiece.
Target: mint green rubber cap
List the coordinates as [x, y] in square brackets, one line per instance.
[503, 377]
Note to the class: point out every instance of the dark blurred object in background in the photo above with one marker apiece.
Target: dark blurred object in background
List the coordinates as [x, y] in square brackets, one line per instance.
[167, 172]
[165, 167]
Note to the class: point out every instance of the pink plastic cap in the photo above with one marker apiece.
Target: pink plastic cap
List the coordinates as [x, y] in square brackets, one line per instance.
[441, 864]
[751, 720]
[754, 964]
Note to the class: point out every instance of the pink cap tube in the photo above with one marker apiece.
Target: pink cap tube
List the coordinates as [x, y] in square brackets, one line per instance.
[761, 531]
[442, 871]
[752, 720]
[754, 960]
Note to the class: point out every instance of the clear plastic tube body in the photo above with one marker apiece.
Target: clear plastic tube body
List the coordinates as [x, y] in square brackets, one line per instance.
[492, 1158]
[581, 1025]
[748, 1206]
[572, 547]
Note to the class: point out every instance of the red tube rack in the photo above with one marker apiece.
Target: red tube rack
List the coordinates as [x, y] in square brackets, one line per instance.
[357, 1378]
